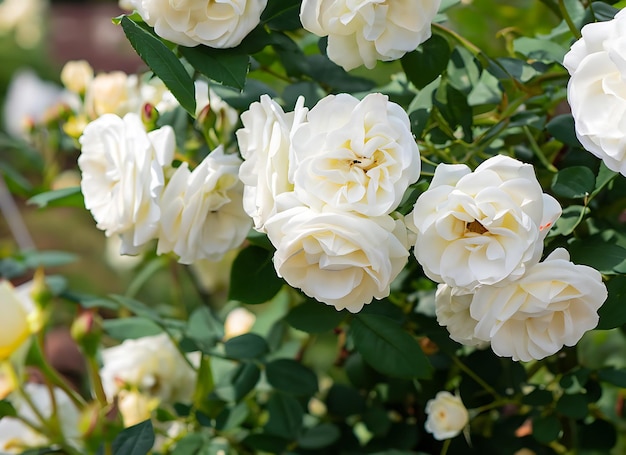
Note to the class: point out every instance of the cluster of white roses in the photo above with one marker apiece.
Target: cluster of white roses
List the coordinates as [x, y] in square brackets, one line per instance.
[196, 214]
[128, 179]
[480, 235]
[597, 90]
[322, 184]
[359, 33]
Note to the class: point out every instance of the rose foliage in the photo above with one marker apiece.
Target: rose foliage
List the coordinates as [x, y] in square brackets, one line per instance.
[354, 230]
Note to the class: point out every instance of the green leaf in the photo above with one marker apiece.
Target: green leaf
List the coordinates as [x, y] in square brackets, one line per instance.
[425, 64]
[282, 14]
[574, 182]
[253, 279]
[613, 312]
[573, 405]
[231, 418]
[538, 397]
[328, 73]
[34, 259]
[130, 328]
[613, 376]
[222, 65]
[65, 197]
[135, 440]
[243, 379]
[204, 328]
[539, 49]
[312, 316]
[163, 63]
[562, 129]
[546, 429]
[569, 220]
[598, 253]
[286, 415]
[246, 346]
[290, 376]
[316, 438]
[388, 348]
[266, 443]
[7, 409]
[343, 400]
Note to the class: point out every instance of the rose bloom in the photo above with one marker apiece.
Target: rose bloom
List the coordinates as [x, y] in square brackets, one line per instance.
[447, 416]
[597, 90]
[552, 305]
[452, 308]
[112, 93]
[122, 176]
[18, 318]
[202, 211]
[77, 75]
[355, 155]
[482, 227]
[338, 258]
[152, 365]
[265, 145]
[360, 33]
[219, 24]
[17, 437]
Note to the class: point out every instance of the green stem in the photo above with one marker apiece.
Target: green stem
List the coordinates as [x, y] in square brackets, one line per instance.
[476, 378]
[568, 20]
[96, 385]
[446, 446]
[53, 376]
[537, 150]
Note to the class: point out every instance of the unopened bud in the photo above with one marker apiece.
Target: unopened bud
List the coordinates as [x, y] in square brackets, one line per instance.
[206, 118]
[149, 116]
[87, 331]
[76, 76]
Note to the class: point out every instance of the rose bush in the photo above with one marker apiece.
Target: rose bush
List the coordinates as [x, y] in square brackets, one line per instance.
[403, 230]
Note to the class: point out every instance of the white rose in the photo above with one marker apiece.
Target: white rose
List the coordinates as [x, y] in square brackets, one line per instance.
[16, 324]
[152, 365]
[17, 437]
[482, 227]
[360, 33]
[219, 24]
[355, 155]
[597, 90]
[552, 305]
[265, 145]
[447, 416]
[122, 176]
[77, 75]
[452, 308]
[202, 211]
[112, 93]
[341, 259]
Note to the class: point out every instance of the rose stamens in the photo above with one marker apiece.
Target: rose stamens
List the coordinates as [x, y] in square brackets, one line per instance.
[475, 227]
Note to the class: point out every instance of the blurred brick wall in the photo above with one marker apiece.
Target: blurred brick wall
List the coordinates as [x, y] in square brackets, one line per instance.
[85, 31]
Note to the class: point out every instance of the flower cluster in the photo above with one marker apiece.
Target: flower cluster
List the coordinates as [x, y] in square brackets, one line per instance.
[322, 183]
[597, 92]
[480, 235]
[129, 181]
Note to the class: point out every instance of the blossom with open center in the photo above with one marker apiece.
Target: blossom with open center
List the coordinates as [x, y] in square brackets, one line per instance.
[482, 227]
[355, 156]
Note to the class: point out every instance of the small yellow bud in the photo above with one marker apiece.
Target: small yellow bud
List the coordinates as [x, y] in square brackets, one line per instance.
[77, 75]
